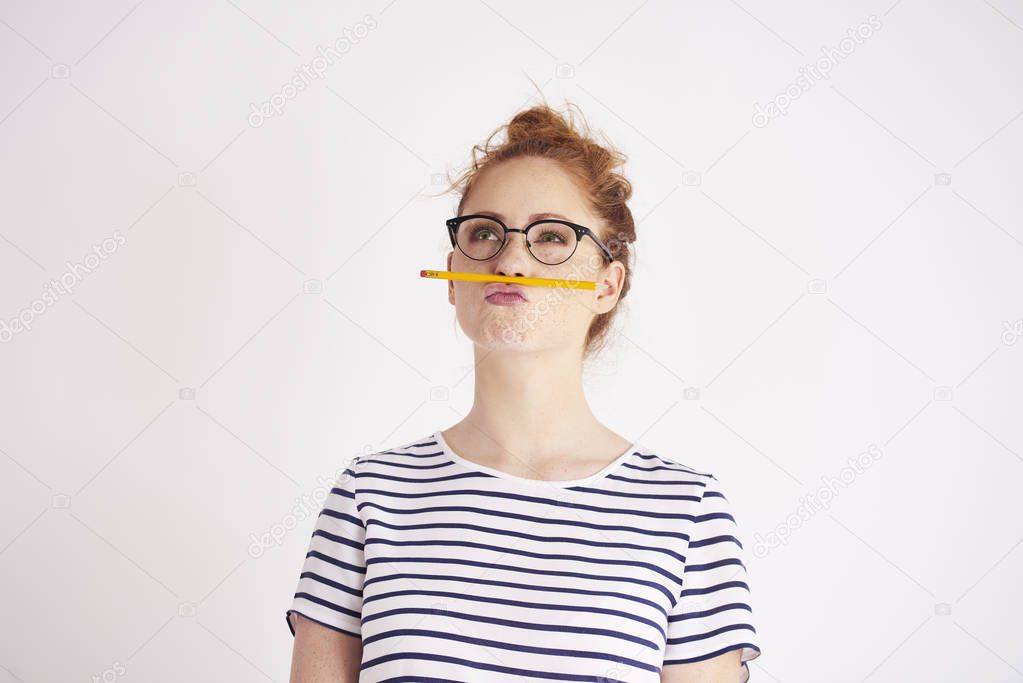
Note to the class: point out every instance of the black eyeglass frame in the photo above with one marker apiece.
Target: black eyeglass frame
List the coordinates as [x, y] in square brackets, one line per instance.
[580, 231]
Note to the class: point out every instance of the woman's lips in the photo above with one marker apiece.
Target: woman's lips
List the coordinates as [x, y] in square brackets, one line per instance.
[505, 299]
[504, 294]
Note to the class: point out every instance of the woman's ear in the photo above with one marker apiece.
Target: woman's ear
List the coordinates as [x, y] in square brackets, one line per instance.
[614, 275]
[610, 284]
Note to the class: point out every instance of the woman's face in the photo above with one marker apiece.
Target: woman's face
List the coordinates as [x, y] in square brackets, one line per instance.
[552, 316]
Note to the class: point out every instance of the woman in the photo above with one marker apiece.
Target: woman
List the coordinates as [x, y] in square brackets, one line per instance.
[528, 541]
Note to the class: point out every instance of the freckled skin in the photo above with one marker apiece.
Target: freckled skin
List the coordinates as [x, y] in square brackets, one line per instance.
[554, 317]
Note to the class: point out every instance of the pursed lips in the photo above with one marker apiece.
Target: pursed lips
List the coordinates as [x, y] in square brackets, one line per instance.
[504, 288]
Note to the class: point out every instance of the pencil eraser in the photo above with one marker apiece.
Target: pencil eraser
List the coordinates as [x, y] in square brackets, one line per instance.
[422, 273]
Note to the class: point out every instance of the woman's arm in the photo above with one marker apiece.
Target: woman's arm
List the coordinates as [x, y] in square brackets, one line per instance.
[322, 655]
[725, 668]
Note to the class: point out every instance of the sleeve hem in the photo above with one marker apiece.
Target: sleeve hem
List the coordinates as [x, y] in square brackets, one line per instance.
[748, 653]
[291, 627]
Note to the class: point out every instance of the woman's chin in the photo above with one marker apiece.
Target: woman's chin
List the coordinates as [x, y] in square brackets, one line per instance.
[504, 334]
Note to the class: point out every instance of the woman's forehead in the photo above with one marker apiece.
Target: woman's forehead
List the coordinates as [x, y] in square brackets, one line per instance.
[518, 191]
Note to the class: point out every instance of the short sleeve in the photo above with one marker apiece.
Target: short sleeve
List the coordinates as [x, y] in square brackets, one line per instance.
[714, 612]
[330, 585]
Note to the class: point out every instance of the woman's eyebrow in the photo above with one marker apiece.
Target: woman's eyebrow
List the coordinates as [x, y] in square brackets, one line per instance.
[533, 217]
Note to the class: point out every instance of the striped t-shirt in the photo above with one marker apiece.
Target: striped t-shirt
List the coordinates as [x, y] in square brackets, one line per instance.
[450, 570]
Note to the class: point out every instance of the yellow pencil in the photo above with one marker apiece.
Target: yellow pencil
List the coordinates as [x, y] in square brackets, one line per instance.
[528, 281]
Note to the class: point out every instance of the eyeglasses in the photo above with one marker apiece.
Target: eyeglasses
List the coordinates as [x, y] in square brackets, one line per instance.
[550, 241]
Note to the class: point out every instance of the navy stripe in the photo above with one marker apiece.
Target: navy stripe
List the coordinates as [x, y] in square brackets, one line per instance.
[515, 647]
[361, 569]
[631, 494]
[669, 466]
[707, 612]
[418, 679]
[529, 553]
[527, 570]
[527, 499]
[488, 667]
[710, 634]
[351, 519]
[532, 537]
[515, 515]
[327, 603]
[338, 539]
[711, 655]
[333, 584]
[654, 482]
[410, 466]
[428, 480]
[674, 464]
[715, 539]
[714, 589]
[520, 587]
[533, 626]
[342, 493]
[714, 565]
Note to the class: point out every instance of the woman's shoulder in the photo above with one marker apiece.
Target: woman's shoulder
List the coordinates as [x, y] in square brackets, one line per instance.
[422, 447]
[665, 466]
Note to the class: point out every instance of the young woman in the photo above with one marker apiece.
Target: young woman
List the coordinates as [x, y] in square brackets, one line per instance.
[528, 541]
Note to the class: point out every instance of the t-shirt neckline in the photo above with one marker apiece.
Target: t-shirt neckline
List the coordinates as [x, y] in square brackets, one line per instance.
[560, 483]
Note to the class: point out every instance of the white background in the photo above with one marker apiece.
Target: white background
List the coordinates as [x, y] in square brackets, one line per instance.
[848, 276]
